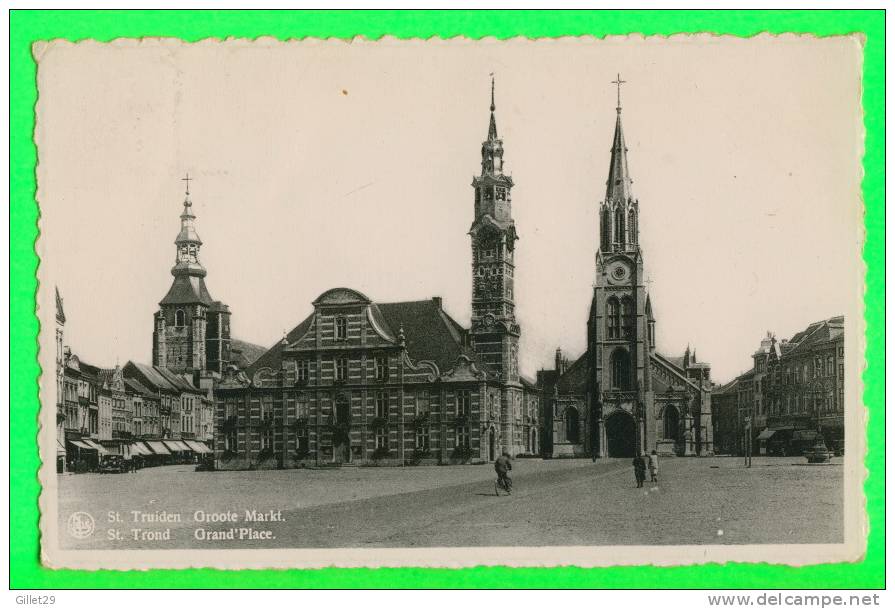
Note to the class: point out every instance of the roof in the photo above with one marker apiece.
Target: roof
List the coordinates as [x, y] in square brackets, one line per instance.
[137, 387]
[178, 381]
[152, 376]
[728, 387]
[429, 332]
[248, 352]
[187, 289]
[818, 332]
[574, 379]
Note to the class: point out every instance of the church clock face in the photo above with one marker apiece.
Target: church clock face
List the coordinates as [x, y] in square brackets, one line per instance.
[618, 272]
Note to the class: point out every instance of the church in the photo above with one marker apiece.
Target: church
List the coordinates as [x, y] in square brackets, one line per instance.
[622, 397]
[359, 381]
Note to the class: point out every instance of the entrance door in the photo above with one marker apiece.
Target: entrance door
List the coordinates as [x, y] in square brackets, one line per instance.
[492, 445]
[621, 435]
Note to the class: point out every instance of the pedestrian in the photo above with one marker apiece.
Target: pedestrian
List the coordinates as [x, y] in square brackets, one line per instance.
[654, 467]
[639, 470]
[502, 465]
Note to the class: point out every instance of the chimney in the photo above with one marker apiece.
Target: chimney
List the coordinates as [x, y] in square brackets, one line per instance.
[437, 301]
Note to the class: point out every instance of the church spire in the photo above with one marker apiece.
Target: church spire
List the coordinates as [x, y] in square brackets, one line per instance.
[188, 242]
[618, 184]
[492, 148]
[492, 126]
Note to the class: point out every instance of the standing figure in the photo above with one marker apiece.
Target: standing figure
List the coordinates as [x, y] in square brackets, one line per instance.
[639, 470]
[654, 467]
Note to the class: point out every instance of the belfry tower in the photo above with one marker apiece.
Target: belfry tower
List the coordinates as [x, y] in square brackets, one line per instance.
[493, 232]
[620, 325]
[192, 330]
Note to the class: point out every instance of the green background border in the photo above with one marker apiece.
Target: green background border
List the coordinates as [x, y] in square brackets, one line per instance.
[29, 26]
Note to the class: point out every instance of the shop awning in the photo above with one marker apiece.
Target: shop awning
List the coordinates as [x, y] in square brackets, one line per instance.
[766, 434]
[139, 449]
[93, 444]
[158, 448]
[198, 447]
[80, 445]
[177, 446]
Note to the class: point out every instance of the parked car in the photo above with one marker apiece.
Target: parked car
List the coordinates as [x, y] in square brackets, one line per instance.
[113, 464]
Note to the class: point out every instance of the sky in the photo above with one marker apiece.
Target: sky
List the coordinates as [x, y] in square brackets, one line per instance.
[319, 164]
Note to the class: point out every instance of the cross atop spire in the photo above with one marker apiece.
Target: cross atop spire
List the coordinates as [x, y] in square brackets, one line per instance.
[187, 180]
[618, 82]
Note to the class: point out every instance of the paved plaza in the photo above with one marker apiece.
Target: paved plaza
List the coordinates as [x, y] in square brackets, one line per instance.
[559, 502]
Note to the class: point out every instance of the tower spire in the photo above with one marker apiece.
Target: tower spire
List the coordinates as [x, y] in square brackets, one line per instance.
[492, 126]
[618, 184]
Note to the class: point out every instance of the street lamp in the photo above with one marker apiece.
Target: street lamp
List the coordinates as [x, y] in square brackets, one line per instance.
[819, 453]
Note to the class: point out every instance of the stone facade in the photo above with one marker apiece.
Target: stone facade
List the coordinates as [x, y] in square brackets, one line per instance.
[795, 387]
[360, 382]
[622, 397]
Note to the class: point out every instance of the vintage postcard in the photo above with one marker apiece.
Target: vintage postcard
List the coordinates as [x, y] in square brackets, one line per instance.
[454, 302]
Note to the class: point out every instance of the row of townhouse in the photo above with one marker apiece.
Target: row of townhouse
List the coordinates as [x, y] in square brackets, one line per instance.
[140, 412]
[794, 392]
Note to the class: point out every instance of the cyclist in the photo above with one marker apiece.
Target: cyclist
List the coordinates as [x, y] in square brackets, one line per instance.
[503, 465]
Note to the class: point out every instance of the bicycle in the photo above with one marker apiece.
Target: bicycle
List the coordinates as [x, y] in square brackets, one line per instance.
[505, 483]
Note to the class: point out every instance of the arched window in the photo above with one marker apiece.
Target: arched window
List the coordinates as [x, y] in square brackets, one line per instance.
[620, 370]
[605, 229]
[671, 422]
[627, 317]
[179, 318]
[573, 426]
[619, 226]
[632, 227]
[612, 318]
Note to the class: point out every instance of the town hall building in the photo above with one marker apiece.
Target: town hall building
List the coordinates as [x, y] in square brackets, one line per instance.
[366, 382]
[622, 397]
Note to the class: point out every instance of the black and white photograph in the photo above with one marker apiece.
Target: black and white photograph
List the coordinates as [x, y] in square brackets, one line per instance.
[454, 303]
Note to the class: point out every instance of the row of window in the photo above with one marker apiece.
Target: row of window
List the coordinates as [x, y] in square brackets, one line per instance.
[488, 193]
[618, 231]
[422, 439]
[421, 405]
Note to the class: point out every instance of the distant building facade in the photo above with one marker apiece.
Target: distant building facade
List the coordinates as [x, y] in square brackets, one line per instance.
[794, 388]
[622, 397]
[360, 382]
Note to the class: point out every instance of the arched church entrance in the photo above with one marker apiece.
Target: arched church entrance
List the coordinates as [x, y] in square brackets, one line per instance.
[573, 425]
[621, 435]
[671, 423]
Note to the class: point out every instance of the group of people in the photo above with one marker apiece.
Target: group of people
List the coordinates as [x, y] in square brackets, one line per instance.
[641, 463]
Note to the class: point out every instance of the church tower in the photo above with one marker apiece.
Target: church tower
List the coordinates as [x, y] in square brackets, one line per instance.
[495, 331]
[192, 330]
[620, 324]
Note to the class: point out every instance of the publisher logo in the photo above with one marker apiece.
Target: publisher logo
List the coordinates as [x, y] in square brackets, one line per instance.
[81, 525]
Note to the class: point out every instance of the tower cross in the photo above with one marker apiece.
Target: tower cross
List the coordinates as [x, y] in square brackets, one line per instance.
[618, 82]
[187, 180]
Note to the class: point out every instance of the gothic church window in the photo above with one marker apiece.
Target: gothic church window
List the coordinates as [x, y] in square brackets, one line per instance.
[612, 318]
[619, 226]
[179, 318]
[620, 370]
[632, 227]
[627, 317]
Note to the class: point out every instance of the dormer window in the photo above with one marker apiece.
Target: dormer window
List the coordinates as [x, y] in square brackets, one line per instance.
[179, 318]
[341, 328]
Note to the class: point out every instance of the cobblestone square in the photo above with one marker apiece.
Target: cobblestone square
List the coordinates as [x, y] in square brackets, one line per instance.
[558, 502]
